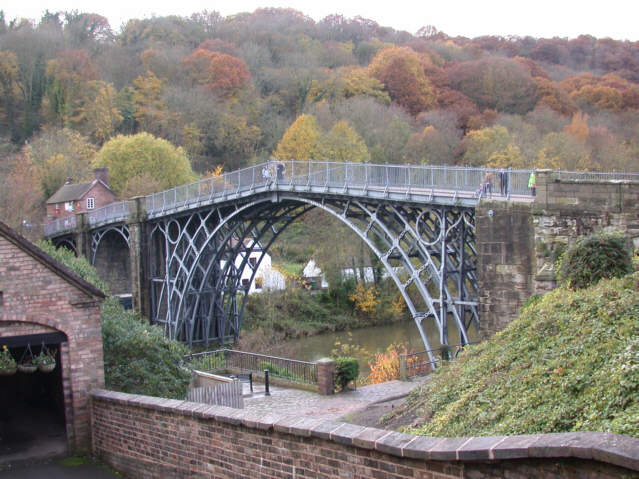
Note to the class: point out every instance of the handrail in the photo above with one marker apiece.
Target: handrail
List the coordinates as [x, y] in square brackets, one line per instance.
[367, 179]
[290, 369]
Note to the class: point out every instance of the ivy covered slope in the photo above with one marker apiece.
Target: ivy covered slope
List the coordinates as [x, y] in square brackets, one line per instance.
[569, 363]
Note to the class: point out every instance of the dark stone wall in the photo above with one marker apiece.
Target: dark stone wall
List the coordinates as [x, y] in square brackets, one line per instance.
[505, 254]
[518, 243]
[113, 263]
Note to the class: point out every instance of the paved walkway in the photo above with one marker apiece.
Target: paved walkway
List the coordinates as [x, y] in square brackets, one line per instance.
[304, 403]
[60, 470]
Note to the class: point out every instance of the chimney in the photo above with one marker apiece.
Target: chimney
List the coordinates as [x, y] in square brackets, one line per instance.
[68, 181]
[102, 174]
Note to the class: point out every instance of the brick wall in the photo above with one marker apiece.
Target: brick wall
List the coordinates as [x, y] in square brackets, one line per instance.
[147, 437]
[37, 300]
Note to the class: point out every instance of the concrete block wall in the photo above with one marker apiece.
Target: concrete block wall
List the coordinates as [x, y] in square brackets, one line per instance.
[147, 437]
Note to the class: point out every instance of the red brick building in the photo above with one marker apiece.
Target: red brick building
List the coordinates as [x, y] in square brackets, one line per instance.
[74, 198]
[45, 306]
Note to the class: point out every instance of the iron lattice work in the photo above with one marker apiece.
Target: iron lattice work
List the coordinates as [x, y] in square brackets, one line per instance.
[197, 259]
[98, 234]
[66, 241]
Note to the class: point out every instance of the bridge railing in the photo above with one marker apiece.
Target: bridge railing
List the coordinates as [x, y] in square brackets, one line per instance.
[61, 225]
[596, 176]
[425, 179]
[441, 180]
[290, 369]
[111, 212]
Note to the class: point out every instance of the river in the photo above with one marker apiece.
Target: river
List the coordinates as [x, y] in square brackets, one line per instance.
[373, 339]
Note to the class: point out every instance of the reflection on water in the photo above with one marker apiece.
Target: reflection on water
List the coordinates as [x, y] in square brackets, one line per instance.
[374, 339]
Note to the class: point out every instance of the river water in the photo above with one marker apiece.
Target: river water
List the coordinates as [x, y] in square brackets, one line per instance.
[373, 339]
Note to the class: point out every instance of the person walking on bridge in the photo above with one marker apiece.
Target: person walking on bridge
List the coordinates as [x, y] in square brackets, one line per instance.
[532, 183]
[503, 182]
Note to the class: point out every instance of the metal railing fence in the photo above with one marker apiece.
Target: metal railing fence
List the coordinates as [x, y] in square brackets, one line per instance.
[67, 223]
[290, 369]
[362, 178]
[112, 212]
[224, 394]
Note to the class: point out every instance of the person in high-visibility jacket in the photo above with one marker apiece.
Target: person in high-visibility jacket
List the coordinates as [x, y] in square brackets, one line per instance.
[532, 183]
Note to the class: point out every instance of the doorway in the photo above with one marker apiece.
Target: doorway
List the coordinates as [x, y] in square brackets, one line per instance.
[32, 417]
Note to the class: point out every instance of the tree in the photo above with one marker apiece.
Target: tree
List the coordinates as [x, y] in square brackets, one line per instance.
[401, 70]
[219, 72]
[497, 83]
[301, 141]
[58, 154]
[564, 151]
[358, 82]
[101, 114]
[578, 127]
[129, 157]
[151, 113]
[343, 144]
[21, 201]
[67, 76]
[480, 145]
[9, 92]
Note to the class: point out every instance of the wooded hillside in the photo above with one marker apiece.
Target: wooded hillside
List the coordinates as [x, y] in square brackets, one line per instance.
[235, 90]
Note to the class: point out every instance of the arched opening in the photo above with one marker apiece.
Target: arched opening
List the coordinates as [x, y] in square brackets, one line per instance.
[66, 242]
[32, 404]
[111, 258]
[432, 243]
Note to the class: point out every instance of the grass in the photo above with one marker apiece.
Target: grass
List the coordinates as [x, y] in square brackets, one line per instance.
[569, 363]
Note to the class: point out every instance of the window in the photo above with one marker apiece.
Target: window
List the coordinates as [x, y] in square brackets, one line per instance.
[68, 206]
[245, 282]
[253, 261]
[90, 203]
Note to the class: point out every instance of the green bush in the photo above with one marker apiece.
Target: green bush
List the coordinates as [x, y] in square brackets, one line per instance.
[78, 264]
[593, 258]
[346, 370]
[137, 357]
[569, 363]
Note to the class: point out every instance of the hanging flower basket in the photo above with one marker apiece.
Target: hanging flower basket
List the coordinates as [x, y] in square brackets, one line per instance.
[27, 362]
[45, 361]
[6, 371]
[8, 365]
[27, 368]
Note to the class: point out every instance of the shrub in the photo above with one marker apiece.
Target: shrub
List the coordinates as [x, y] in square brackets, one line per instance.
[138, 358]
[78, 264]
[346, 370]
[593, 258]
[569, 363]
[385, 366]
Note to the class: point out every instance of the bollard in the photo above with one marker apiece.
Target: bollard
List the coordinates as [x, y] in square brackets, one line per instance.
[266, 387]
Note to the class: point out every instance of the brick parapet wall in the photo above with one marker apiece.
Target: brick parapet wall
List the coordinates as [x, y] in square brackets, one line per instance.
[149, 437]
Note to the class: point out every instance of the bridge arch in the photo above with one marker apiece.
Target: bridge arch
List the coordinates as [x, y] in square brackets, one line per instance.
[109, 253]
[196, 291]
[67, 242]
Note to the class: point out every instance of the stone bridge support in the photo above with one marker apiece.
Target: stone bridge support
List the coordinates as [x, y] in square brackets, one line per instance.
[518, 243]
[139, 254]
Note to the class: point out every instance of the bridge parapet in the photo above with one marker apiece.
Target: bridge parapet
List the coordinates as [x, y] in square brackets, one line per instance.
[112, 212]
[61, 225]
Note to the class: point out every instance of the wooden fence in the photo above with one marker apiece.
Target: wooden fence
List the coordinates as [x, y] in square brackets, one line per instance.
[224, 394]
